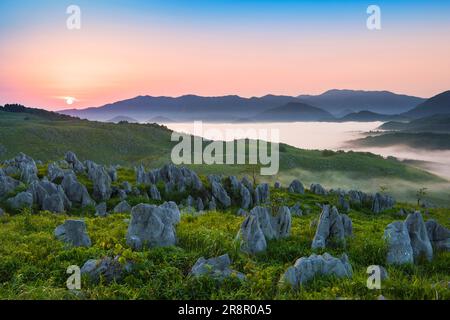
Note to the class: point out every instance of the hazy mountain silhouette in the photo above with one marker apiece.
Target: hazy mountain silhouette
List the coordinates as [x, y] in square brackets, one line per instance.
[295, 111]
[439, 104]
[385, 102]
[367, 116]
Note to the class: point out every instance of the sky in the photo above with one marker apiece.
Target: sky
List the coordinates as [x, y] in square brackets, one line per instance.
[212, 48]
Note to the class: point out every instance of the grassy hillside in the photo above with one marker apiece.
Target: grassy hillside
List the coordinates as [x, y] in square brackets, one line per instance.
[426, 140]
[131, 144]
[34, 263]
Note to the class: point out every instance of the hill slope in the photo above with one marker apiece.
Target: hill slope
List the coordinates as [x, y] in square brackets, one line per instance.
[436, 123]
[439, 104]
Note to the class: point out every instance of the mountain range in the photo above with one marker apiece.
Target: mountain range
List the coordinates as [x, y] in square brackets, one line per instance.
[332, 105]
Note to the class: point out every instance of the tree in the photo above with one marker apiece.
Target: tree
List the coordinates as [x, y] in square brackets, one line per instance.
[420, 194]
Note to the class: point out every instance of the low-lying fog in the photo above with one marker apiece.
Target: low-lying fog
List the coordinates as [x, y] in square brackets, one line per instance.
[327, 135]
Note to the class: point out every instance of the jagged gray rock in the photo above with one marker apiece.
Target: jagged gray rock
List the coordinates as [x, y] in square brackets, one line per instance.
[418, 236]
[241, 212]
[101, 182]
[318, 189]
[101, 210]
[251, 236]
[234, 183]
[282, 222]
[73, 232]
[112, 172]
[199, 204]
[306, 268]
[262, 194]
[438, 235]
[331, 228]
[246, 197]
[296, 210]
[212, 206]
[247, 183]
[153, 226]
[7, 184]
[20, 201]
[220, 194]
[296, 187]
[54, 172]
[49, 196]
[399, 244]
[73, 162]
[154, 193]
[122, 207]
[75, 191]
[216, 268]
[382, 202]
[109, 269]
[264, 218]
[343, 203]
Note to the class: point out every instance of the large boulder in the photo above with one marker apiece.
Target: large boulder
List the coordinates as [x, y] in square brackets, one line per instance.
[418, 236]
[20, 201]
[235, 184]
[54, 172]
[27, 168]
[73, 232]
[7, 184]
[101, 182]
[247, 183]
[216, 268]
[262, 194]
[331, 228]
[122, 207]
[282, 222]
[399, 244]
[382, 202]
[101, 210]
[438, 235]
[220, 194]
[307, 268]
[73, 162]
[153, 226]
[318, 189]
[154, 193]
[296, 187]
[246, 197]
[251, 236]
[109, 269]
[49, 196]
[75, 191]
[265, 221]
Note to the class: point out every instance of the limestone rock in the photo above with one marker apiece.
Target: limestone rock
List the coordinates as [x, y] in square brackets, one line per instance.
[100, 210]
[20, 201]
[296, 187]
[109, 269]
[252, 238]
[262, 194]
[73, 232]
[399, 244]
[306, 268]
[220, 194]
[154, 193]
[318, 189]
[216, 268]
[418, 236]
[438, 235]
[153, 226]
[122, 207]
[331, 227]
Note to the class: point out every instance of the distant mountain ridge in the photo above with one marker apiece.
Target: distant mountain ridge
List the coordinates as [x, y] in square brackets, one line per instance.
[295, 111]
[235, 108]
[385, 102]
[439, 104]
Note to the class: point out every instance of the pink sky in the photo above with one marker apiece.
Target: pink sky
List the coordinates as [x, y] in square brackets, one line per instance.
[110, 63]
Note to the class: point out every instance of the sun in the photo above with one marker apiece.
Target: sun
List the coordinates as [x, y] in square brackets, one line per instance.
[70, 100]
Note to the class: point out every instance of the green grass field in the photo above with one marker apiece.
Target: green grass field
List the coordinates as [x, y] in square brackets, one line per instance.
[34, 263]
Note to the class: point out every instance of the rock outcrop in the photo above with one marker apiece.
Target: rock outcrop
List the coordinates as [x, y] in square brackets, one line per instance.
[153, 226]
[418, 235]
[107, 268]
[216, 268]
[399, 244]
[75, 191]
[332, 227]
[20, 201]
[74, 233]
[306, 268]
[296, 187]
[262, 194]
[438, 235]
